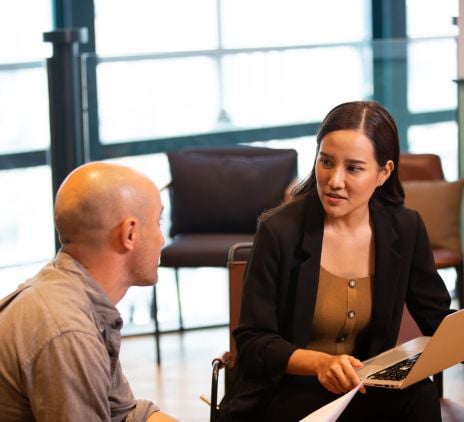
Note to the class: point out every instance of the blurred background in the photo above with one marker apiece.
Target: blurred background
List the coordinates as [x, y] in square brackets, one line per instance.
[160, 75]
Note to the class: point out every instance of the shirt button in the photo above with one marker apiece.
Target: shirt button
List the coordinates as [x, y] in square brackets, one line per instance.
[351, 314]
[341, 339]
[352, 283]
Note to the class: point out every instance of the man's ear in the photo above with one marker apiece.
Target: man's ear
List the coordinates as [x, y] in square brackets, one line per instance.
[128, 232]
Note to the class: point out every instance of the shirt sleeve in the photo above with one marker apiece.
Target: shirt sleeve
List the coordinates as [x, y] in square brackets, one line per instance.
[71, 379]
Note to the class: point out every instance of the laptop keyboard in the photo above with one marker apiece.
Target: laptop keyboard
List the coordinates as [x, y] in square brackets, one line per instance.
[397, 371]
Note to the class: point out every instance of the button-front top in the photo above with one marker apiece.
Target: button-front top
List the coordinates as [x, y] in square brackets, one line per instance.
[342, 312]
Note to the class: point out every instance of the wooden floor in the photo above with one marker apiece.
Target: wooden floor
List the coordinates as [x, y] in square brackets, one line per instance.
[185, 371]
[184, 374]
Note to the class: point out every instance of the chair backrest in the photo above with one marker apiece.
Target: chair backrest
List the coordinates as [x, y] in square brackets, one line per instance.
[225, 189]
[437, 200]
[238, 257]
[420, 167]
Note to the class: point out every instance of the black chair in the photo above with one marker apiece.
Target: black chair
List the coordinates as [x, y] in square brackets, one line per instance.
[217, 195]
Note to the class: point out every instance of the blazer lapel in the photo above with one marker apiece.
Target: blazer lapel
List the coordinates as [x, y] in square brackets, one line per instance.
[307, 263]
[386, 278]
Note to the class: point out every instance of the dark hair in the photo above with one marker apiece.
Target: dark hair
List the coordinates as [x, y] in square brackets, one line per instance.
[375, 122]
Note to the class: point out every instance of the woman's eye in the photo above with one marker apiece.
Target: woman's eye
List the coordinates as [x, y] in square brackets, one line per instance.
[354, 169]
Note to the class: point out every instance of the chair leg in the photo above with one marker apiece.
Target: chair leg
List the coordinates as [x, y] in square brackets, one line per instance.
[157, 331]
[460, 285]
[179, 305]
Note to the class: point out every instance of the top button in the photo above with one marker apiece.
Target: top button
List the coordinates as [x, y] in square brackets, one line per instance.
[352, 283]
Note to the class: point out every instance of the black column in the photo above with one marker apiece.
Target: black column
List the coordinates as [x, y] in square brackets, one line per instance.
[67, 149]
[390, 62]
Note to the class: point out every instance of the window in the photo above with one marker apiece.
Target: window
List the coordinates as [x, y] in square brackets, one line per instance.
[215, 65]
[24, 127]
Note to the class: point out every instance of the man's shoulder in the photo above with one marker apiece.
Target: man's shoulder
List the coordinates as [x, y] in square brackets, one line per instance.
[50, 303]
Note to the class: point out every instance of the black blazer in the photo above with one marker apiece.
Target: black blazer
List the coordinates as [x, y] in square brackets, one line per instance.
[280, 288]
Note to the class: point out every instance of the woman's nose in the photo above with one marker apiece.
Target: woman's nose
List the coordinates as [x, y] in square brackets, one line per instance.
[337, 179]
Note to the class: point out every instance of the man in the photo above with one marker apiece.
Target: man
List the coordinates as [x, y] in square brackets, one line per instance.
[60, 331]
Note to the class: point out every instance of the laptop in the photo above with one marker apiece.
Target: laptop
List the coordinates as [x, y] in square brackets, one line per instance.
[419, 358]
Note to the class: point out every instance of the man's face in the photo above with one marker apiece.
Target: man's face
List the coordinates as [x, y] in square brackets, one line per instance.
[151, 240]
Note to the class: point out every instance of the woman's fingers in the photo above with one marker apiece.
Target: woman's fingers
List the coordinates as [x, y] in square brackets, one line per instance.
[339, 375]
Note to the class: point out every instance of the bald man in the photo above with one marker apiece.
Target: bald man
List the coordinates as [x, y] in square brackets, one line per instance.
[60, 331]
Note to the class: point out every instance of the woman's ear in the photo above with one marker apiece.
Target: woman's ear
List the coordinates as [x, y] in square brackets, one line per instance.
[385, 172]
[128, 233]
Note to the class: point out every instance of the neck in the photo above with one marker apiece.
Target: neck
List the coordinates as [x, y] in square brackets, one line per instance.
[107, 271]
[350, 224]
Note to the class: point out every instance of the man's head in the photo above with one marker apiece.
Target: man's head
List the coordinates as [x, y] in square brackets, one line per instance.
[107, 217]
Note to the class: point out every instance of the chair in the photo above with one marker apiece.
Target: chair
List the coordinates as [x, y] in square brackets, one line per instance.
[238, 256]
[236, 264]
[439, 203]
[216, 197]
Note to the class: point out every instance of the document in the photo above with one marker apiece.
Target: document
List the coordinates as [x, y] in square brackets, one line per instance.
[330, 412]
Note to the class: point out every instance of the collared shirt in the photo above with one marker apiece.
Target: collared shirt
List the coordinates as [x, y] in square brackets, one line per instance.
[59, 351]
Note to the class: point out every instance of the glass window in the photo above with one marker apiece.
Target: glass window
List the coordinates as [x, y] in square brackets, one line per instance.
[432, 69]
[157, 98]
[264, 23]
[294, 85]
[26, 227]
[145, 26]
[29, 193]
[170, 96]
[440, 139]
[431, 18]
[24, 123]
[22, 23]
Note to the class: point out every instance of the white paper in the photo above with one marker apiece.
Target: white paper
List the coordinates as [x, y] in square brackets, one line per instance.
[330, 412]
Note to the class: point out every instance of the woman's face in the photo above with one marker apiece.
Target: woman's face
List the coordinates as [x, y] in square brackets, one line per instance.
[347, 173]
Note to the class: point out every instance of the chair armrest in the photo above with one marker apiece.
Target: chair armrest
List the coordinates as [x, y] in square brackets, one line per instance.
[227, 360]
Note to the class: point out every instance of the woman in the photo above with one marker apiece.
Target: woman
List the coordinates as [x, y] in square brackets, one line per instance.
[327, 279]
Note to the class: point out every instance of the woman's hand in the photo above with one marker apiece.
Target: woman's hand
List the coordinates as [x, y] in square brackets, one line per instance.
[337, 373]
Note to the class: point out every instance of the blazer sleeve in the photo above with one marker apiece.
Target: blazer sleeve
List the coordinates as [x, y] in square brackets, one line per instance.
[428, 299]
[263, 353]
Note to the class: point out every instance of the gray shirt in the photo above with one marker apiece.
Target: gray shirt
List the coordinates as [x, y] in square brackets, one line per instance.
[59, 351]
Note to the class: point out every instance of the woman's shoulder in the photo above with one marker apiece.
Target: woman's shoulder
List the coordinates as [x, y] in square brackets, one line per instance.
[290, 220]
[288, 211]
[399, 215]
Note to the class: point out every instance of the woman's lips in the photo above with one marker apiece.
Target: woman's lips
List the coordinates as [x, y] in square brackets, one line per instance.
[335, 198]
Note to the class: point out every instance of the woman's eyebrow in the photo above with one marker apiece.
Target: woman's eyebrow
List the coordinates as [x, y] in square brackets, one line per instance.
[348, 160]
